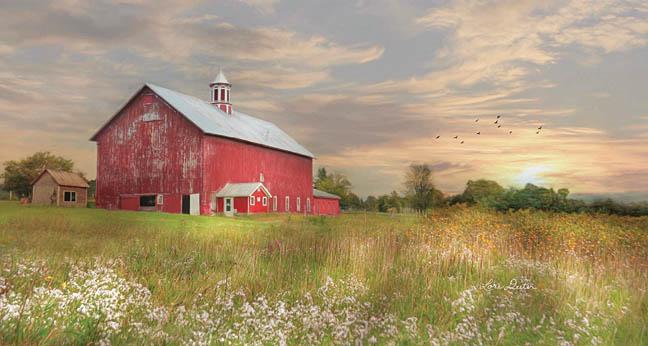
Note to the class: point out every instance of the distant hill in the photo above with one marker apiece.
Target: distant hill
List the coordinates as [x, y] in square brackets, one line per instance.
[626, 197]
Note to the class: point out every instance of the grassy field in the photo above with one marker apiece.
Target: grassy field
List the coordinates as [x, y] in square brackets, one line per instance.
[456, 276]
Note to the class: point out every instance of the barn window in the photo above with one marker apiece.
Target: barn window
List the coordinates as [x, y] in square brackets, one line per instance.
[265, 201]
[298, 204]
[287, 203]
[308, 206]
[261, 177]
[69, 196]
[222, 94]
[274, 203]
[147, 201]
[251, 200]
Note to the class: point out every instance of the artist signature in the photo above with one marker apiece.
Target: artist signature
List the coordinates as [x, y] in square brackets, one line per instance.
[516, 284]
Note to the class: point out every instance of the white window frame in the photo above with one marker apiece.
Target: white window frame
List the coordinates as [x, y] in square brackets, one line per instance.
[265, 201]
[298, 204]
[72, 196]
[274, 203]
[261, 178]
[287, 203]
[308, 205]
[160, 199]
[252, 200]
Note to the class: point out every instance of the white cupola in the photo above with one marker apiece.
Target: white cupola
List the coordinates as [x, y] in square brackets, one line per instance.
[220, 92]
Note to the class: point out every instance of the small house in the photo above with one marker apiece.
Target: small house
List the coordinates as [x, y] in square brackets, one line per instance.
[64, 189]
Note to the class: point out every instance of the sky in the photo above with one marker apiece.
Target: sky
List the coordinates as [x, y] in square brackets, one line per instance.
[367, 86]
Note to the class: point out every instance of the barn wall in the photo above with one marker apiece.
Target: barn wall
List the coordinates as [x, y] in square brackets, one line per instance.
[81, 197]
[233, 161]
[148, 148]
[326, 206]
[44, 190]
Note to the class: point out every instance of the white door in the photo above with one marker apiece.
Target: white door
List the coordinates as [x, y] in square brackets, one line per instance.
[228, 206]
[194, 204]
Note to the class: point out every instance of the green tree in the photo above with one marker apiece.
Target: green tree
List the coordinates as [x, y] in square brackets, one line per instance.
[19, 174]
[335, 183]
[371, 203]
[483, 192]
[419, 187]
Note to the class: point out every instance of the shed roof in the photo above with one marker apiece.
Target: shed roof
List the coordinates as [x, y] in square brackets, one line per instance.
[322, 194]
[211, 120]
[240, 189]
[64, 178]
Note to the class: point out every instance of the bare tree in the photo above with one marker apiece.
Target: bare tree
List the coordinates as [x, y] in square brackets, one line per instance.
[419, 187]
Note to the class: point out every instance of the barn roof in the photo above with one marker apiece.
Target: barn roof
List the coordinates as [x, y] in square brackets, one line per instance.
[64, 178]
[321, 194]
[211, 120]
[240, 189]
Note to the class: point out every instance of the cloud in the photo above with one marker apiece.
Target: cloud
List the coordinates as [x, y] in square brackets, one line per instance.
[562, 157]
[263, 6]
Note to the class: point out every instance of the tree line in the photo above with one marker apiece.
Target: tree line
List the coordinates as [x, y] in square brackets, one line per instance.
[419, 194]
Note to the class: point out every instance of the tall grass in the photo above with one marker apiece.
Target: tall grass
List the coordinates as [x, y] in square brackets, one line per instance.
[366, 278]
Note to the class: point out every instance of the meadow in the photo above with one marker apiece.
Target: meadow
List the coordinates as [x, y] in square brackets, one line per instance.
[452, 277]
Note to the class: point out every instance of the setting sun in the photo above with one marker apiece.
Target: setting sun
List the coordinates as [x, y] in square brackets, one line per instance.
[533, 175]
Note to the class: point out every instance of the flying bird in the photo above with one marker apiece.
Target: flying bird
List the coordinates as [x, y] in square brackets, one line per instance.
[540, 128]
[476, 120]
[498, 116]
[479, 133]
[498, 126]
[496, 121]
[437, 137]
[537, 132]
[510, 132]
[455, 137]
[461, 142]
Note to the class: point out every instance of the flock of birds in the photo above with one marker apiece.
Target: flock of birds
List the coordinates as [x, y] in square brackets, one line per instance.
[497, 123]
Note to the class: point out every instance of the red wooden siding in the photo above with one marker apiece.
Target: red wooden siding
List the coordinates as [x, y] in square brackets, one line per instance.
[233, 161]
[326, 206]
[148, 148]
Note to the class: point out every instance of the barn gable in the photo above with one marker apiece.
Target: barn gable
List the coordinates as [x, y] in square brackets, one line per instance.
[212, 120]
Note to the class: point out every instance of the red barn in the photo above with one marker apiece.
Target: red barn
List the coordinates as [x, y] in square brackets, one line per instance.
[167, 151]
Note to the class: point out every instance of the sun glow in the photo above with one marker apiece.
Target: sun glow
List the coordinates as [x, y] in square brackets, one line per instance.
[533, 175]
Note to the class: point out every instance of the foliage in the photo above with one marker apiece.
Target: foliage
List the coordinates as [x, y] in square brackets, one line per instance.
[337, 184]
[420, 190]
[92, 187]
[90, 276]
[19, 174]
[483, 192]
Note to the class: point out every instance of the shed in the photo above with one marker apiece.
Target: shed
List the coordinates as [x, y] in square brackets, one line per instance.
[325, 203]
[241, 198]
[60, 188]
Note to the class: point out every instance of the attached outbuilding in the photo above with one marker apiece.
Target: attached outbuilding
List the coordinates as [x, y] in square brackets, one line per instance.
[239, 198]
[58, 188]
[325, 203]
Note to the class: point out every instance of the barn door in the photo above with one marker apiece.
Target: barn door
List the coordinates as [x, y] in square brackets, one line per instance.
[194, 205]
[185, 204]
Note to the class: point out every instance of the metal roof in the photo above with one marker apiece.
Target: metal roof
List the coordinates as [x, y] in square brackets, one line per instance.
[220, 78]
[321, 194]
[64, 178]
[240, 189]
[212, 120]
